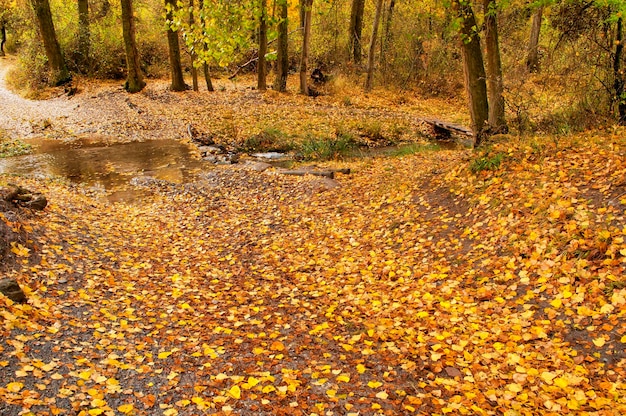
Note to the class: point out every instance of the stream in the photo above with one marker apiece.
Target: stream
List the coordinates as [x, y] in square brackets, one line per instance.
[108, 168]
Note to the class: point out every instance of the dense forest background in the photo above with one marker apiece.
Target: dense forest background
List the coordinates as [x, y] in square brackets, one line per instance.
[559, 62]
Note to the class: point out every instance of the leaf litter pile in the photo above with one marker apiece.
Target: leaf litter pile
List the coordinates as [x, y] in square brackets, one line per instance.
[422, 285]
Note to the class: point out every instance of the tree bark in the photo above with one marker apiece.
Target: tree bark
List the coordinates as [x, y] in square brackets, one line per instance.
[194, 56]
[176, 69]
[282, 61]
[306, 41]
[205, 65]
[134, 79]
[497, 120]
[372, 47]
[262, 64]
[356, 30]
[387, 31]
[3, 37]
[618, 73]
[473, 69]
[59, 74]
[532, 60]
[84, 35]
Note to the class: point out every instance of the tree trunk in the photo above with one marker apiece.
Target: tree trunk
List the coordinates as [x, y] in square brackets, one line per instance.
[473, 69]
[176, 69]
[134, 80]
[282, 61]
[59, 74]
[497, 121]
[262, 65]
[84, 35]
[207, 78]
[194, 56]
[372, 47]
[306, 41]
[356, 30]
[532, 61]
[387, 30]
[3, 37]
[205, 65]
[618, 73]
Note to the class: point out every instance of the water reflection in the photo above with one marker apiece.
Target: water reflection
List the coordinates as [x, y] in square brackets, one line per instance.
[110, 167]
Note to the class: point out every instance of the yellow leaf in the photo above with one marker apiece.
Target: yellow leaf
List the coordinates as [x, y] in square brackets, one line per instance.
[548, 376]
[252, 381]
[126, 408]
[331, 393]
[85, 375]
[170, 412]
[556, 303]
[343, 377]
[382, 395]
[19, 249]
[164, 354]
[374, 384]
[599, 342]
[15, 386]
[514, 387]
[235, 392]
[360, 368]
[560, 382]
[623, 340]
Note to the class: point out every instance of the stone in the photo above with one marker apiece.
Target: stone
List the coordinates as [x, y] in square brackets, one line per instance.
[12, 290]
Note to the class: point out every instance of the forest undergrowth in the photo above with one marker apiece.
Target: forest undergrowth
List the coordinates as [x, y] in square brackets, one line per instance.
[442, 282]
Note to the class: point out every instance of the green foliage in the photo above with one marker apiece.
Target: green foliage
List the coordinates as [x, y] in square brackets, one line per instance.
[220, 32]
[325, 148]
[269, 140]
[413, 148]
[487, 161]
[12, 147]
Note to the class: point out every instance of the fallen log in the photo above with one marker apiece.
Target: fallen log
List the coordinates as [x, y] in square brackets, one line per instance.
[443, 128]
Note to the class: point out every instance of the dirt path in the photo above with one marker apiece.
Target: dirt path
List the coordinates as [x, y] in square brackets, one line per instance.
[20, 117]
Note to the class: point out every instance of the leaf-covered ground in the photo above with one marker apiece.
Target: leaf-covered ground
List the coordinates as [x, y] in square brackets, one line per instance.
[417, 287]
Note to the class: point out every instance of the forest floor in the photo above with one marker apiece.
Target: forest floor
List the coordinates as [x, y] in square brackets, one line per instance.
[441, 282]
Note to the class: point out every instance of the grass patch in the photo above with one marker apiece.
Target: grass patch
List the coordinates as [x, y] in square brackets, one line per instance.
[412, 149]
[487, 162]
[269, 140]
[13, 147]
[324, 148]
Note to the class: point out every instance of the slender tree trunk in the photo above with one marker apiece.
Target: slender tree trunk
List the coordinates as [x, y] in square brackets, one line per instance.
[194, 56]
[176, 69]
[262, 66]
[84, 35]
[356, 30]
[134, 79]
[532, 60]
[302, 10]
[387, 30]
[207, 78]
[59, 74]
[618, 73]
[372, 47]
[282, 61]
[205, 65]
[306, 41]
[3, 37]
[497, 120]
[473, 69]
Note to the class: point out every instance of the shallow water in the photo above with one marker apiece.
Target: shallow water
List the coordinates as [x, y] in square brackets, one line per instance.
[109, 167]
